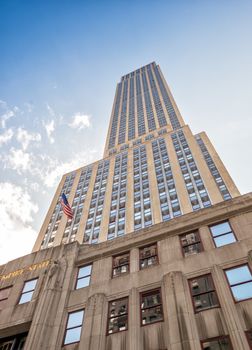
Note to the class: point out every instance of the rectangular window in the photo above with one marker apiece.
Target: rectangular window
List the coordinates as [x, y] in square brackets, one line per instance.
[118, 315]
[73, 327]
[83, 277]
[240, 282]
[220, 343]
[191, 243]
[148, 256]
[4, 294]
[249, 337]
[27, 291]
[222, 234]
[121, 265]
[203, 293]
[151, 307]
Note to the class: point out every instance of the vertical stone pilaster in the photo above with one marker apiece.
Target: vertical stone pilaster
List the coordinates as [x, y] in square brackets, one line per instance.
[134, 321]
[182, 331]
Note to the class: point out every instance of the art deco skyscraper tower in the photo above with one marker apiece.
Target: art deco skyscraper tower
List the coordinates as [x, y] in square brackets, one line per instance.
[154, 169]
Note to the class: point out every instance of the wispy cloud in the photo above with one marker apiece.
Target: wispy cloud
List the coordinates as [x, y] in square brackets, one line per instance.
[25, 138]
[16, 216]
[17, 160]
[80, 121]
[6, 136]
[49, 127]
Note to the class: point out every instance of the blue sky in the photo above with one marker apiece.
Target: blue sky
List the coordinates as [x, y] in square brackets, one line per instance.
[59, 65]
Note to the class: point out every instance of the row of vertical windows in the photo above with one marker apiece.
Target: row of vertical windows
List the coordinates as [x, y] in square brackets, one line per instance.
[195, 187]
[142, 202]
[93, 224]
[140, 111]
[118, 198]
[169, 107]
[114, 124]
[168, 197]
[131, 123]
[57, 214]
[158, 106]
[213, 169]
[123, 117]
[148, 106]
[72, 225]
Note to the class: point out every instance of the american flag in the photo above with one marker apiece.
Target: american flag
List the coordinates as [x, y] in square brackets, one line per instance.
[66, 207]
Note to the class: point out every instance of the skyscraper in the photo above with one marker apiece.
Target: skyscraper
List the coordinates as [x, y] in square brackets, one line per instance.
[158, 255]
[154, 169]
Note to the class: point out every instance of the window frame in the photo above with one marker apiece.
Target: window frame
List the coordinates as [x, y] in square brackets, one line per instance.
[108, 317]
[210, 291]
[223, 234]
[249, 341]
[232, 268]
[113, 267]
[146, 246]
[182, 247]
[32, 290]
[77, 279]
[66, 329]
[216, 338]
[4, 288]
[149, 292]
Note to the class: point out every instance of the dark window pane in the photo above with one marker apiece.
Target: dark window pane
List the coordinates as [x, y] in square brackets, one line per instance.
[120, 270]
[149, 262]
[219, 229]
[83, 282]
[153, 314]
[223, 240]
[75, 319]
[118, 324]
[118, 307]
[242, 291]
[192, 249]
[189, 238]
[72, 335]
[4, 293]
[26, 297]
[202, 285]
[205, 301]
[151, 300]
[238, 275]
[217, 344]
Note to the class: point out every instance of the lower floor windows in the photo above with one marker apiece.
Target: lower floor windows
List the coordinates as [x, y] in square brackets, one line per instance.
[118, 316]
[151, 307]
[220, 343]
[73, 328]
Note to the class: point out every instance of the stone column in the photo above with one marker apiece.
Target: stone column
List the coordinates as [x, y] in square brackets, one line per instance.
[134, 321]
[182, 330]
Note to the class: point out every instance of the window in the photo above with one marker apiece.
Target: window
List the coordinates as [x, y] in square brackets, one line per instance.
[118, 316]
[4, 294]
[73, 327]
[222, 234]
[83, 278]
[151, 307]
[203, 293]
[121, 265]
[27, 291]
[249, 337]
[191, 243]
[240, 282]
[148, 256]
[220, 343]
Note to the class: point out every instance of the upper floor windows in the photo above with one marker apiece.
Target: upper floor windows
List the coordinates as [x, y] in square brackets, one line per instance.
[203, 293]
[222, 234]
[148, 256]
[27, 291]
[191, 243]
[83, 277]
[151, 307]
[73, 327]
[118, 316]
[240, 282]
[121, 265]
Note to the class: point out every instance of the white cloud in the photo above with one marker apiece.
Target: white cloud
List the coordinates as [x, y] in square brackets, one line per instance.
[50, 110]
[16, 217]
[49, 127]
[80, 121]
[24, 137]
[6, 136]
[18, 160]
[4, 117]
[29, 106]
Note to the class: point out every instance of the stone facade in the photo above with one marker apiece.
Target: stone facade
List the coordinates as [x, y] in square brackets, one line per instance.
[45, 317]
